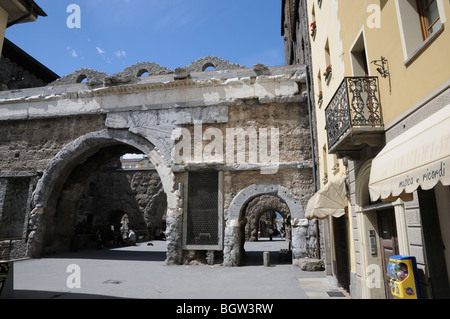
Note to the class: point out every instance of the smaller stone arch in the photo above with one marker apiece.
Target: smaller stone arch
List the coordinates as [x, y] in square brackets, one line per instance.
[81, 78]
[208, 65]
[92, 77]
[258, 207]
[138, 69]
[141, 72]
[219, 64]
[234, 221]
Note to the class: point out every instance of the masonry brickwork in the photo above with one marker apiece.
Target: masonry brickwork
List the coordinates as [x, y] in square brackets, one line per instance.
[64, 134]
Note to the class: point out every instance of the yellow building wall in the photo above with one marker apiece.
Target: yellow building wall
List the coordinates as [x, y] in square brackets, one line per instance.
[3, 23]
[409, 83]
[323, 48]
[377, 22]
[326, 48]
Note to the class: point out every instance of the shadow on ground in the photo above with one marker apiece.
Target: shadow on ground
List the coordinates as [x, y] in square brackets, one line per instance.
[142, 252]
[34, 294]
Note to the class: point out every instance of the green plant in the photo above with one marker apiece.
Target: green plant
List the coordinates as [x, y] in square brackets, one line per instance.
[327, 72]
[313, 28]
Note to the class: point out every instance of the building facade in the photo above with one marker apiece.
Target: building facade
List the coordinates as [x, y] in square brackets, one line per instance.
[381, 95]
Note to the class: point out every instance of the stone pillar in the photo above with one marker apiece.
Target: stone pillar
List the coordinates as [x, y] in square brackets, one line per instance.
[174, 225]
[299, 234]
[36, 228]
[232, 251]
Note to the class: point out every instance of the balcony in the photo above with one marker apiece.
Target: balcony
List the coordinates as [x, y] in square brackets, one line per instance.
[354, 118]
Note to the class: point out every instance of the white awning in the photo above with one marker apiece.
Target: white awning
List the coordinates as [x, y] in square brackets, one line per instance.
[330, 200]
[418, 157]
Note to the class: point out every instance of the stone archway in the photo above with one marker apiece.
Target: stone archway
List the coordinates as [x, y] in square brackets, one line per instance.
[67, 175]
[234, 221]
[259, 206]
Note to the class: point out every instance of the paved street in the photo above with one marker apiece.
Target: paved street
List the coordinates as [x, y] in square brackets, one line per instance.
[140, 273]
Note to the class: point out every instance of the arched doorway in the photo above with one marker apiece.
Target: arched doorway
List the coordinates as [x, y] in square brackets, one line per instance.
[58, 193]
[267, 229]
[235, 220]
[260, 212]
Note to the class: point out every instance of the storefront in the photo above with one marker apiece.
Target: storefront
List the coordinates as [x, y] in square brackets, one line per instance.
[415, 166]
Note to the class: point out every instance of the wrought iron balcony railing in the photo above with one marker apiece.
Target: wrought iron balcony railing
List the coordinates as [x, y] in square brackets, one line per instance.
[353, 114]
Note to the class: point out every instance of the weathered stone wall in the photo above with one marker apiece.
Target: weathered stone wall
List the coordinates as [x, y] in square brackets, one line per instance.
[14, 198]
[115, 192]
[294, 162]
[30, 145]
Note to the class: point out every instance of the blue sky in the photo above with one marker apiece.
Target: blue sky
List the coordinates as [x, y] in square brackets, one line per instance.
[116, 34]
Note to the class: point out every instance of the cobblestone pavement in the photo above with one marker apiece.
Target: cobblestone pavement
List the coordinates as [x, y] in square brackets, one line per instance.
[140, 273]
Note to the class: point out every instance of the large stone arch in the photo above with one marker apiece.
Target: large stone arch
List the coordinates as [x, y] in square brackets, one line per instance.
[234, 220]
[83, 155]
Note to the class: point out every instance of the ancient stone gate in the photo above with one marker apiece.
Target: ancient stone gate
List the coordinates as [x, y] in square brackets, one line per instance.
[218, 140]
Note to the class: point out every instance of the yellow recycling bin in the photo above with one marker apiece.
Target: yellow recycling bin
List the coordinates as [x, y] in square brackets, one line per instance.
[404, 281]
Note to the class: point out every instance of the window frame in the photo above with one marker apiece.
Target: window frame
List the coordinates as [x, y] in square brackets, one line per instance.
[424, 24]
[411, 36]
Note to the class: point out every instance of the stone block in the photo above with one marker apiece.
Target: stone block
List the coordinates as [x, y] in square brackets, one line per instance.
[310, 264]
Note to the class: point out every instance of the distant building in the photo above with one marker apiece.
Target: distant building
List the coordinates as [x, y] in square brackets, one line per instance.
[135, 162]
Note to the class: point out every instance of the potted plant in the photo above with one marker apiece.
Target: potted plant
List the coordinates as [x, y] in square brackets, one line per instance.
[313, 29]
[320, 96]
[327, 73]
[325, 178]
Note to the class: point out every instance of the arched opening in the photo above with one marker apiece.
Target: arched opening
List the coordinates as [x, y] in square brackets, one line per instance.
[261, 213]
[70, 176]
[208, 67]
[82, 78]
[142, 73]
[267, 229]
[235, 222]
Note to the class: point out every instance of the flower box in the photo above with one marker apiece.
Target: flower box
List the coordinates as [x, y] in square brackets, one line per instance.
[327, 73]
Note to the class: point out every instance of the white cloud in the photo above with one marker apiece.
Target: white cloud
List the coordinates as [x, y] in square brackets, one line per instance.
[72, 52]
[120, 54]
[100, 51]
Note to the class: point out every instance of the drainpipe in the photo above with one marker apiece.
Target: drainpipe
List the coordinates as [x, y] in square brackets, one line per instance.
[311, 130]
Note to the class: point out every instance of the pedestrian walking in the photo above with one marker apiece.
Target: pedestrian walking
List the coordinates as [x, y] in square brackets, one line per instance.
[132, 237]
